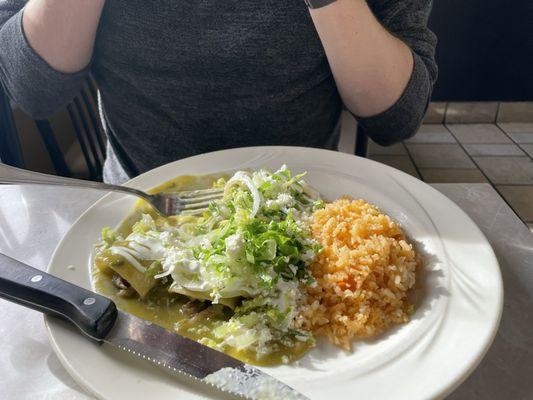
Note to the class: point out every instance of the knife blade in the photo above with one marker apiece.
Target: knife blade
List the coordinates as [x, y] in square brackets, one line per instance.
[180, 354]
[98, 318]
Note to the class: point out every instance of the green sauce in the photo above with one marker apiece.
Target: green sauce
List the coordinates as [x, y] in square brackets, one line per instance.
[173, 311]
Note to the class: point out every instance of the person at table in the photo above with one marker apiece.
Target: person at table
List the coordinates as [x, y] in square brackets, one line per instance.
[177, 78]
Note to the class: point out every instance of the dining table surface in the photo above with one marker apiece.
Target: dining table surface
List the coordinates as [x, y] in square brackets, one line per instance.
[34, 219]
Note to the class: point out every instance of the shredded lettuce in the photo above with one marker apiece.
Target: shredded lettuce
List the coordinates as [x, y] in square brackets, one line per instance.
[255, 243]
[108, 236]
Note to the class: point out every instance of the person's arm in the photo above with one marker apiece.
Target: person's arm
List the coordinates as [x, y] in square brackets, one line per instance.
[382, 58]
[46, 50]
[62, 32]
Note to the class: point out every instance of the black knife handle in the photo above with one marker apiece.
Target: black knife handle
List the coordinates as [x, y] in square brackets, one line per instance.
[93, 314]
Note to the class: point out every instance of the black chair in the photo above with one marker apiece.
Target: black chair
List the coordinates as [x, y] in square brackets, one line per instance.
[82, 113]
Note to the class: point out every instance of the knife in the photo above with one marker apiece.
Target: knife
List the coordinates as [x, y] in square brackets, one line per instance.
[98, 318]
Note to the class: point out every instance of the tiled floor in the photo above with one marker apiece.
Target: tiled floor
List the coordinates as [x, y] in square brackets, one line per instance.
[500, 154]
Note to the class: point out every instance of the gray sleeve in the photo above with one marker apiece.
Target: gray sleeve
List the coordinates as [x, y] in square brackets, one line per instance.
[28, 80]
[407, 20]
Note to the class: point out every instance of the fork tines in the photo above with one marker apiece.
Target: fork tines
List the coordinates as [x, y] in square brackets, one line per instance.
[196, 201]
[195, 196]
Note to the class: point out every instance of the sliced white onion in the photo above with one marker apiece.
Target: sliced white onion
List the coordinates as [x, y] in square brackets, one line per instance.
[149, 248]
[127, 254]
[242, 177]
[144, 252]
[163, 274]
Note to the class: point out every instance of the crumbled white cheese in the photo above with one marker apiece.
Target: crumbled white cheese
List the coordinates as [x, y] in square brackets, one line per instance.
[308, 256]
[283, 201]
[234, 245]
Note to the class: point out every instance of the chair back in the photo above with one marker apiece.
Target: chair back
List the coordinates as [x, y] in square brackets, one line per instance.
[10, 148]
[83, 117]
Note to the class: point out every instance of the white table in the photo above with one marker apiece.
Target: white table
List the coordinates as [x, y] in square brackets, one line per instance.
[33, 220]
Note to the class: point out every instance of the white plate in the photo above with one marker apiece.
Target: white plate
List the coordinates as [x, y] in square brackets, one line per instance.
[425, 358]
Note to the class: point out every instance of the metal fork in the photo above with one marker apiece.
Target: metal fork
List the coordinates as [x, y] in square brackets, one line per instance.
[166, 204]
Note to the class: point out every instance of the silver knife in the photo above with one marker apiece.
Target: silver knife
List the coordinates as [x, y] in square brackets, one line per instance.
[98, 318]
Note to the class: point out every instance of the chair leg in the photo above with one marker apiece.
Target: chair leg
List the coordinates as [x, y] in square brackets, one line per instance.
[361, 142]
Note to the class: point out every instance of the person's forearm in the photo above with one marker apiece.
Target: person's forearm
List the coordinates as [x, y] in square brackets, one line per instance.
[62, 32]
[371, 67]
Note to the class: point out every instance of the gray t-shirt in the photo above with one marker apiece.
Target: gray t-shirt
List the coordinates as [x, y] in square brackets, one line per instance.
[178, 78]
